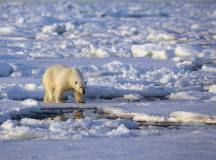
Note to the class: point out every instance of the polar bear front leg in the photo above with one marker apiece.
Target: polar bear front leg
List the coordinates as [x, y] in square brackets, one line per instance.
[78, 97]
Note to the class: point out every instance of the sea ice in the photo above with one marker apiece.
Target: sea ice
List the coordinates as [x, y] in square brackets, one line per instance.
[5, 70]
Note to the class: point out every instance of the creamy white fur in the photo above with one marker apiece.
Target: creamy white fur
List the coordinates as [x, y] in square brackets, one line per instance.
[58, 78]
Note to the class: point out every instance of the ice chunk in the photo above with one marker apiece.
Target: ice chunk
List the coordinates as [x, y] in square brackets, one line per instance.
[182, 116]
[5, 70]
[148, 118]
[113, 65]
[41, 36]
[8, 124]
[213, 98]
[18, 92]
[30, 86]
[98, 52]
[182, 96]
[58, 28]
[132, 97]
[161, 36]
[140, 51]
[151, 50]
[212, 88]
[128, 31]
[30, 102]
[133, 115]
[161, 54]
[209, 68]
[195, 26]
[188, 50]
[120, 131]
[13, 131]
[7, 30]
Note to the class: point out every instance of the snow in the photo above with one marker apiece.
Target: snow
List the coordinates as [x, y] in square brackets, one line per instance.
[150, 66]
[70, 129]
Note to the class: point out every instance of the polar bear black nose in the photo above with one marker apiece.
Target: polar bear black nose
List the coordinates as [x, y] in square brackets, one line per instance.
[83, 90]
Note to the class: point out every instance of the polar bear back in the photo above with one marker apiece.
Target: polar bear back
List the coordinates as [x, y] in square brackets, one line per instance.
[60, 75]
[54, 75]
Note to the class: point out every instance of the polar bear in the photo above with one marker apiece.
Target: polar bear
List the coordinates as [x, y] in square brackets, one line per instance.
[58, 79]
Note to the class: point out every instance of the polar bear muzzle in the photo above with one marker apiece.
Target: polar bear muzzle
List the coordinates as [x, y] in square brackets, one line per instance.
[82, 90]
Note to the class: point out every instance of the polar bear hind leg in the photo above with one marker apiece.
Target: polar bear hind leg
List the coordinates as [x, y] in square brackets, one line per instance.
[48, 97]
[58, 95]
[45, 99]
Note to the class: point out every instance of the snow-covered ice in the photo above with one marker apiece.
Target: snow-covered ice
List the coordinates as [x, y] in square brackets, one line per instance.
[30, 102]
[5, 70]
[188, 50]
[150, 65]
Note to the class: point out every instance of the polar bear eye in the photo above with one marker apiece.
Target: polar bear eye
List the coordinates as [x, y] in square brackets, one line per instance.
[76, 82]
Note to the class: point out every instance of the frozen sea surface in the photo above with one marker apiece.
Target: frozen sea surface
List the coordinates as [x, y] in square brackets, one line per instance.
[150, 65]
[68, 29]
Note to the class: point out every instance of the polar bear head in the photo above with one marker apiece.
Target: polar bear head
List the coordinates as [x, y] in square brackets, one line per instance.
[77, 81]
